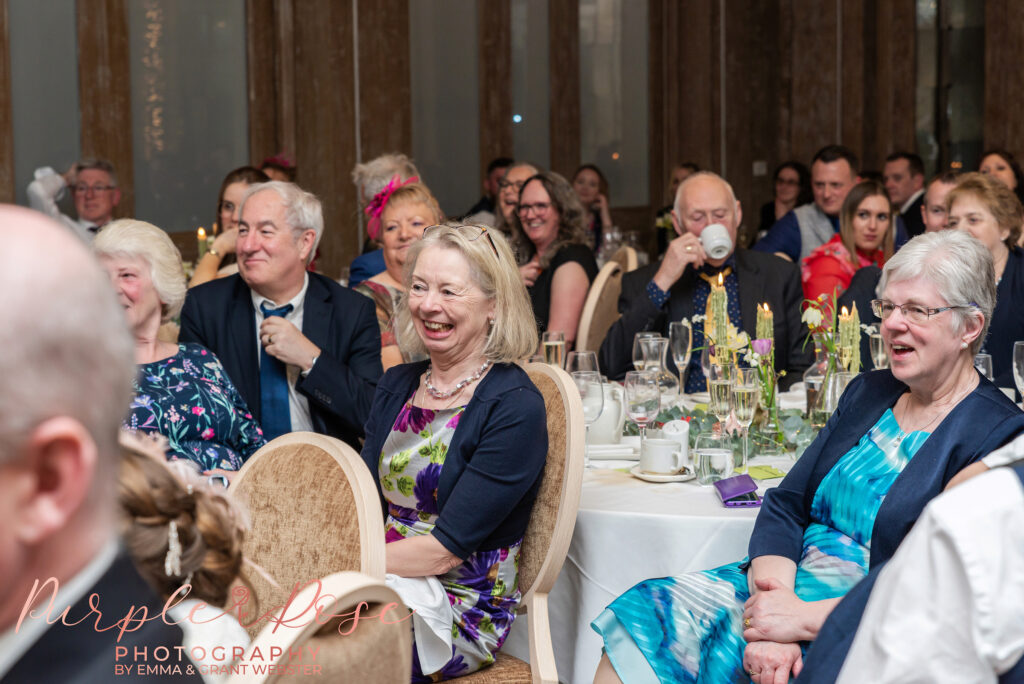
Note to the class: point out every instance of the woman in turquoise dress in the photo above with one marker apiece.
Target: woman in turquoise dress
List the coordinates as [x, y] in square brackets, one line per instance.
[181, 391]
[894, 441]
[458, 443]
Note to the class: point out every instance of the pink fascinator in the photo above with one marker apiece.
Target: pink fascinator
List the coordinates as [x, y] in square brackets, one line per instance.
[376, 206]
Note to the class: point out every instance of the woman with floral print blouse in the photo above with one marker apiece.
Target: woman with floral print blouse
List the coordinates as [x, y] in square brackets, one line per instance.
[181, 392]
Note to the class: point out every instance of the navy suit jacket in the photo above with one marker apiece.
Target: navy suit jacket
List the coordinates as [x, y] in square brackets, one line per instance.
[219, 315]
[761, 278]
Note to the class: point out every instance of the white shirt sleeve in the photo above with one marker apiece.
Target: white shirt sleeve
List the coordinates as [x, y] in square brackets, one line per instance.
[43, 194]
[1009, 453]
[947, 607]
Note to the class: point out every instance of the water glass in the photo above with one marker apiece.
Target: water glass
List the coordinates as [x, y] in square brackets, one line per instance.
[638, 349]
[581, 361]
[643, 398]
[1018, 367]
[879, 356]
[553, 346]
[592, 395]
[680, 339]
[983, 362]
[713, 458]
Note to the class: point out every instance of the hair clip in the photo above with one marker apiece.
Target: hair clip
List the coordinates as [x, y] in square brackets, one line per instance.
[172, 562]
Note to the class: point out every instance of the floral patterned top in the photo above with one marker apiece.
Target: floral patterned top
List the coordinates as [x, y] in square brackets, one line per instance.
[189, 399]
[484, 590]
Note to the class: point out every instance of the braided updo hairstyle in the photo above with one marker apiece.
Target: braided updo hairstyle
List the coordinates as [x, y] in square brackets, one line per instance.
[209, 527]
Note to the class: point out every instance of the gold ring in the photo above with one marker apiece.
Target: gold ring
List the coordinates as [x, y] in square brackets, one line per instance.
[270, 340]
[746, 622]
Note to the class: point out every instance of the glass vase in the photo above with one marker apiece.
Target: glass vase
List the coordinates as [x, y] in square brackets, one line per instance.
[655, 350]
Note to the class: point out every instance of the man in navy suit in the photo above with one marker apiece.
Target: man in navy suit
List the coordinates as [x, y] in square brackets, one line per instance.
[321, 340]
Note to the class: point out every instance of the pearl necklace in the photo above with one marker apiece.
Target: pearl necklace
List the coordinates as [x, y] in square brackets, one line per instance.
[438, 394]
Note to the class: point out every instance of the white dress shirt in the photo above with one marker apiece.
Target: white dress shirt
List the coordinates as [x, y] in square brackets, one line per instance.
[949, 606]
[1005, 455]
[910, 202]
[302, 420]
[43, 194]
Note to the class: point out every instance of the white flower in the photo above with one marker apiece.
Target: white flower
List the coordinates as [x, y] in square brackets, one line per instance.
[869, 329]
[811, 316]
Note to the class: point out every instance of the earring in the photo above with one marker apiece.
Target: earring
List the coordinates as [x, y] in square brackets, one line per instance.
[963, 345]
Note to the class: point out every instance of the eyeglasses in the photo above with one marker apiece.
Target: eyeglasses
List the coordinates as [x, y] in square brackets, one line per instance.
[471, 233]
[540, 208]
[84, 189]
[883, 308]
[518, 185]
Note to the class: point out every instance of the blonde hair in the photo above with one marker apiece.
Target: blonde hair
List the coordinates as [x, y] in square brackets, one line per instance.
[1001, 201]
[208, 527]
[416, 193]
[514, 333]
[138, 239]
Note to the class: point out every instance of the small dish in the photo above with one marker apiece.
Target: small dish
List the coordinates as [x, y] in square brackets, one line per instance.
[683, 476]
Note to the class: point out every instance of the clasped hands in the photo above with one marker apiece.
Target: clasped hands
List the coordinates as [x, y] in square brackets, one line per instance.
[775, 621]
[286, 343]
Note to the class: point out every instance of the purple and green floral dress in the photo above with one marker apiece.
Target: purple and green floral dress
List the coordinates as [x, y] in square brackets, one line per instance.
[484, 590]
[189, 399]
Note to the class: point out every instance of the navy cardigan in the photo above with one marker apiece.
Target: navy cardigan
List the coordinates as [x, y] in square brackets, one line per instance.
[495, 461]
[980, 423]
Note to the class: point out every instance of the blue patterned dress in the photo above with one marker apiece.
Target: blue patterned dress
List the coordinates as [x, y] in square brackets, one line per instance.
[689, 628]
[484, 590]
[189, 399]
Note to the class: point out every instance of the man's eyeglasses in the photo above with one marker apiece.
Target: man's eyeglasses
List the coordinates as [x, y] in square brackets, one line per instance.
[84, 189]
[883, 308]
[540, 208]
[518, 185]
[471, 233]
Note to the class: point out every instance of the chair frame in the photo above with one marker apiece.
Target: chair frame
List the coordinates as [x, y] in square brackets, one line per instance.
[589, 337]
[626, 256]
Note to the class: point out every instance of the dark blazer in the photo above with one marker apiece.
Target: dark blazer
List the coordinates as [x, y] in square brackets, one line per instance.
[493, 466]
[980, 423]
[762, 278]
[1007, 320]
[912, 218]
[219, 315]
[80, 654]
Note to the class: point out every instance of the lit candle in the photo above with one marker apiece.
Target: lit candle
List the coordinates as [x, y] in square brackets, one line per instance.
[201, 240]
[855, 340]
[216, 228]
[765, 323]
[716, 325]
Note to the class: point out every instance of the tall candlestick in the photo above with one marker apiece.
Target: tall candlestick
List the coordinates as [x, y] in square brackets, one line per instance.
[765, 329]
[855, 340]
[201, 240]
[716, 325]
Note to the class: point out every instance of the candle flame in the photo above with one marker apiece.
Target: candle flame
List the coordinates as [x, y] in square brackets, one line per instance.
[845, 312]
[201, 233]
[766, 309]
[719, 280]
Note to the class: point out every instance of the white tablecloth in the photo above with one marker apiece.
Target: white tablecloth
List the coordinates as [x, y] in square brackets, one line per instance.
[626, 531]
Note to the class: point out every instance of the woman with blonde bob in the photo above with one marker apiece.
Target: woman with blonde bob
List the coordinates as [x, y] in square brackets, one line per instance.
[458, 442]
[182, 391]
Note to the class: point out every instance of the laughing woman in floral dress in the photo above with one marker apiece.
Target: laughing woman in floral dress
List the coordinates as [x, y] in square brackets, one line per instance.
[181, 392]
[458, 443]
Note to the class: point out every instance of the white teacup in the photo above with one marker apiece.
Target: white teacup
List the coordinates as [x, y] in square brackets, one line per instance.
[661, 457]
[716, 241]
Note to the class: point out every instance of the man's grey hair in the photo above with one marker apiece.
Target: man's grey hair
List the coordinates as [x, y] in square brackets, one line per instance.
[66, 346]
[371, 177]
[302, 210]
[959, 266]
[677, 207]
[99, 165]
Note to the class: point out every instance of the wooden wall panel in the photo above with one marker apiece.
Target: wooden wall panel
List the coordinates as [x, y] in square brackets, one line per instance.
[1004, 79]
[564, 84]
[857, 74]
[7, 192]
[813, 95]
[104, 88]
[325, 111]
[261, 75]
[495, 78]
[385, 110]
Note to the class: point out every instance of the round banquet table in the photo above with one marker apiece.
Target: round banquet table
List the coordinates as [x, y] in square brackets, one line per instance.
[628, 530]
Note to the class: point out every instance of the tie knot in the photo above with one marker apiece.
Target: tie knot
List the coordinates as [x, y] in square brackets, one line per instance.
[280, 311]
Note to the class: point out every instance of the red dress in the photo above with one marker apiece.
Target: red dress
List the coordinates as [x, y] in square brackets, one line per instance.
[828, 269]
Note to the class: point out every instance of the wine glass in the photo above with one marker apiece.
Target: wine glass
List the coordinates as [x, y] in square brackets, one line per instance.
[553, 344]
[680, 338]
[983, 362]
[720, 389]
[592, 394]
[638, 349]
[1018, 367]
[581, 361]
[643, 398]
[745, 391]
[879, 357]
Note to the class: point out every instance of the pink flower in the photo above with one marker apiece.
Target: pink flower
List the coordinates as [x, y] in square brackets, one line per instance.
[198, 410]
[207, 433]
[761, 347]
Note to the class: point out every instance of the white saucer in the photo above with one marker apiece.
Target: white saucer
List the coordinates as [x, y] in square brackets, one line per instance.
[652, 477]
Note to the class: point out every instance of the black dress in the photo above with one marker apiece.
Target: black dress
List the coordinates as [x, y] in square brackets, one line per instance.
[1007, 320]
[540, 292]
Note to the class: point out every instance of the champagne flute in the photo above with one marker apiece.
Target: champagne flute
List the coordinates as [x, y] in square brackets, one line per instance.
[720, 388]
[638, 349]
[553, 344]
[680, 338]
[581, 361]
[1018, 366]
[643, 398]
[879, 357]
[745, 391]
[592, 394]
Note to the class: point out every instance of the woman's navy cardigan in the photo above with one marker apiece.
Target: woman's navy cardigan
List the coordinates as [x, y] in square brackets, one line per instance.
[493, 466]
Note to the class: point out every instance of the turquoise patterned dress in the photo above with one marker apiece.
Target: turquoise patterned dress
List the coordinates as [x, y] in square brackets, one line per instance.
[189, 399]
[484, 590]
[689, 628]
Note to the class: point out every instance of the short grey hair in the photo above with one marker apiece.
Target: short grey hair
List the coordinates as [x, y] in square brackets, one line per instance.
[138, 239]
[371, 177]
[66, 346]
[99, 165]
[700, 174]
[302, 210]
[959, 266]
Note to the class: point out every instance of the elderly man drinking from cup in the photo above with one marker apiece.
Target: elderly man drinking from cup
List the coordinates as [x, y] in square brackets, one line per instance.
[706, 217]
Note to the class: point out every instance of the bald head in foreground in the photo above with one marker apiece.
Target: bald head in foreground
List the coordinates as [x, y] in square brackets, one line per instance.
[67, 367]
